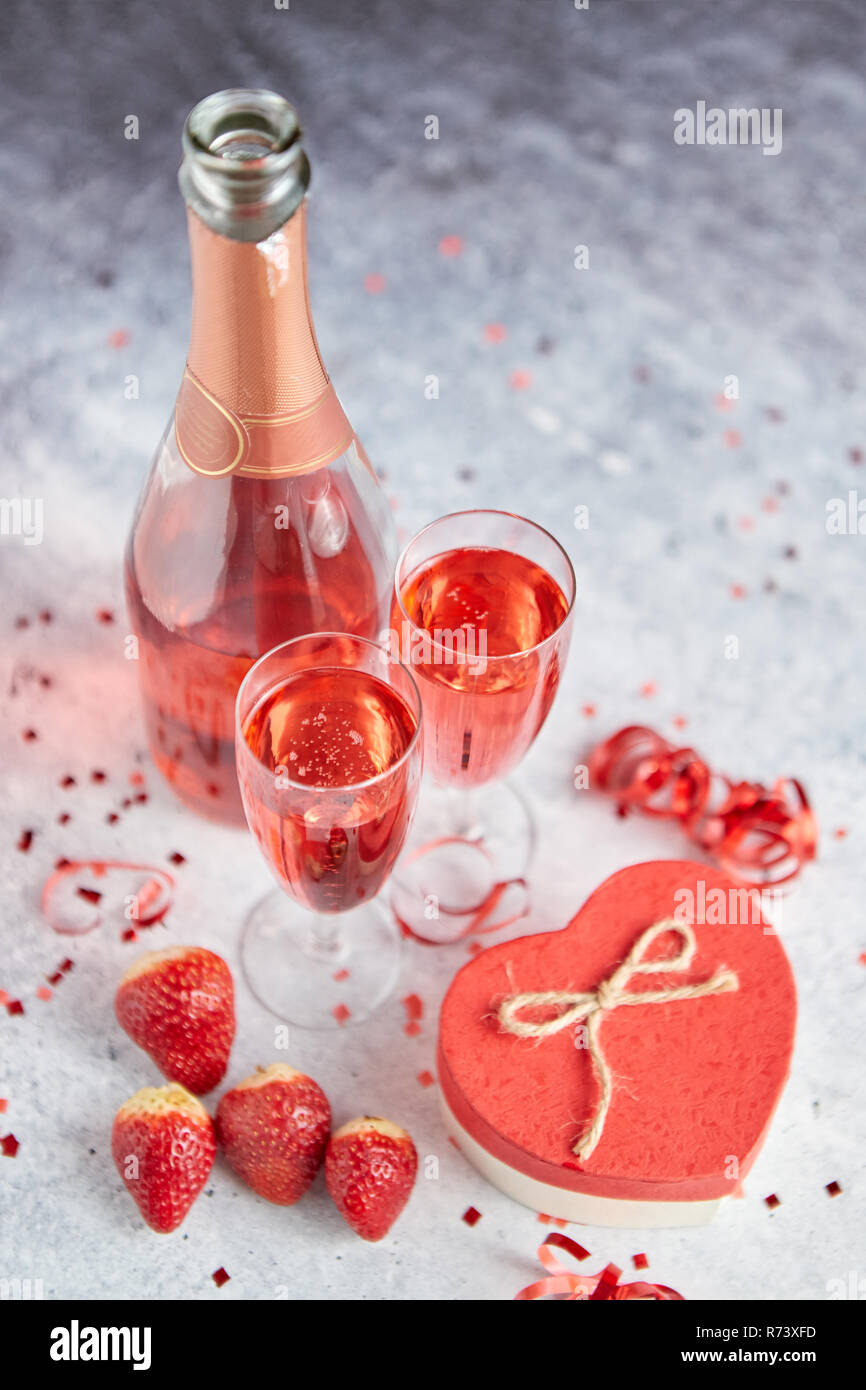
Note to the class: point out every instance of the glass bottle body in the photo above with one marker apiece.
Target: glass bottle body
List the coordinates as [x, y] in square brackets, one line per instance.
[221, 569]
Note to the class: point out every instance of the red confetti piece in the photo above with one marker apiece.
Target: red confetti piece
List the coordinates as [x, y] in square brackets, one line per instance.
[471, 1216]
[104, 615]
[832, 1189]
[772, 1201]
[374, 283]
[44, 993]
[639, 1261]
[21, 623]
[588, 711]
[732, 439]
[495, 332]
[67, 965]
[648, 689]
[90, 895]
[341, 1013]
[474, 947]
[25, 840]
[759, 835]
[3, 1106]
[412, 1028]
[679, 721]
[129, 935]
[544, 1219]
[451, 246]
[452, 1140]
[112, 818]
[426, 1078]
[520, 380]
[340, 975]
[559, 1223]
[840, 833]
[220, 1277]
[855, 455]
[770, 505]
[10, 1146]
[14, 1007]
[67, 781]
[97, 775]
[118, 338]
[176, 858]
[64, 818]
[746, 523]
[723, 403]
[738, 591]
[136, 779]
[414, 1006]
[4, 998]
[862, 958]
[29, 735]
[55, 978]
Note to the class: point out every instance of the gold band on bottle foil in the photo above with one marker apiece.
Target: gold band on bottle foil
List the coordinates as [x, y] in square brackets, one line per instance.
[215, 442]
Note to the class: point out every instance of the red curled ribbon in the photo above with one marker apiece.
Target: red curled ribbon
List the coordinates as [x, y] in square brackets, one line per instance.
[760, 836]
[62, 894]
[588, 1288]
[506, 901]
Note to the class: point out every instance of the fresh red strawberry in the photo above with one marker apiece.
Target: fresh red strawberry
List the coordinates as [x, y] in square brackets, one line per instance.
[179, 1005]
[370, 1168]
[274, 1127]
[164, 1145]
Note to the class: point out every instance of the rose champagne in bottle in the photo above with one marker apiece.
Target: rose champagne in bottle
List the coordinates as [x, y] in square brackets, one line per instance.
[261, 518]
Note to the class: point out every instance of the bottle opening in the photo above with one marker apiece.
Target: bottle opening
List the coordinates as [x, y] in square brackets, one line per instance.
[244, 170]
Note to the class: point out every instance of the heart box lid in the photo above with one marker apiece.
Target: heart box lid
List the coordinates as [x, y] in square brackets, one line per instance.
[694, 1081]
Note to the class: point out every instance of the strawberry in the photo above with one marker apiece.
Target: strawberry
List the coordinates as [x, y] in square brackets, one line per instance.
[370, 1168]
[164, 1145]
[274, 1127]
[179, 1006]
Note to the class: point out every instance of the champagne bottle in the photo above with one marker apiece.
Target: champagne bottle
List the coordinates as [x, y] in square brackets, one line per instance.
[261, 518]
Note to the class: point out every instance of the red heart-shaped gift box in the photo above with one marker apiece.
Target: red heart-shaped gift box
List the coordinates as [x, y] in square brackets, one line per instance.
[695, 1081]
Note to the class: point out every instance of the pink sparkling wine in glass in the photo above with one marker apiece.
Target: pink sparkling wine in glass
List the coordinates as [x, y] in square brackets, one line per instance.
[319, 798]
[483, 710]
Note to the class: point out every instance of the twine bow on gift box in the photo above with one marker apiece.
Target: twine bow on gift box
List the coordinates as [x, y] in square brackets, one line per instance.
[611, 994]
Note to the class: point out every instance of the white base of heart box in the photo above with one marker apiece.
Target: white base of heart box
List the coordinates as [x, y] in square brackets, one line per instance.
[566, 1205]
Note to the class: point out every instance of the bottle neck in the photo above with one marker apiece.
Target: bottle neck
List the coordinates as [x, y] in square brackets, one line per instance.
[255, 398]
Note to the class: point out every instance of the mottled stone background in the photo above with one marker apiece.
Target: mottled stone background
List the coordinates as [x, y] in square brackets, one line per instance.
[556, 129]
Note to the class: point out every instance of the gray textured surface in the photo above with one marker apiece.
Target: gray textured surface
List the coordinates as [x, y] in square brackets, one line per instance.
[555, 129]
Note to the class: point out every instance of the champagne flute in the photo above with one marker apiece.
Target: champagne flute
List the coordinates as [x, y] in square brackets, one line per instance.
[329, 755]
[482, 610]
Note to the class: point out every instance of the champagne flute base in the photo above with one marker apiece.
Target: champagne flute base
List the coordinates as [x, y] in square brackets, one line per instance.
[465, 866]
[320, 972]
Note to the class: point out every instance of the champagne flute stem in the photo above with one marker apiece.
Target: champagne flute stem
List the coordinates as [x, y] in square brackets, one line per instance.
[325, 940]
[464, 813]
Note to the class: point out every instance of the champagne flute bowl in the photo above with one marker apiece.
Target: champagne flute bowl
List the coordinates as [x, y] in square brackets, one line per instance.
[482, 612]
[329, 754]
